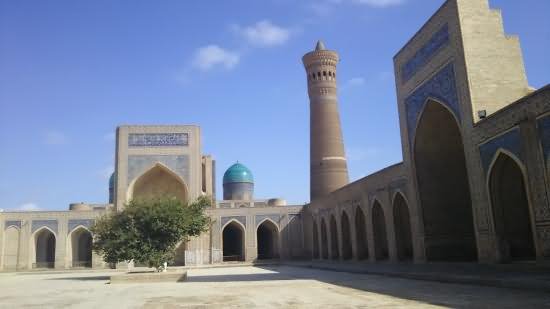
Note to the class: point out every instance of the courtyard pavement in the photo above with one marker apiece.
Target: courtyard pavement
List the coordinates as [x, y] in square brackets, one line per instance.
[255, 287]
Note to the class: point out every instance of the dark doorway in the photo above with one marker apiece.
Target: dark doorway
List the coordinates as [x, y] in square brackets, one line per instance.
[379, 230]
[45, 249]
[81, 241]
[511, 210]
[361, 234]
[315, 241]
[347, 253]
[268, 241]
[334, 239]
[402, 222]
[324, 240]
[443, 187]
[233, 242]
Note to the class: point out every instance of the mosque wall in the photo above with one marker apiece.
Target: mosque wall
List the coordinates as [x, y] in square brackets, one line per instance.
[475, 151]
[357, 233]
[20, 239]
[139, 149]
[473, 184]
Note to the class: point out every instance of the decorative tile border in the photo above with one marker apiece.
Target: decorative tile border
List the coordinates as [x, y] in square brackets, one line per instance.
[441, 87]
[293, 216]
[425, 53]
[140, 164]
[544, 135]
[241, 219]
[38, 224]
[510, 141]
[73, 223]
[16, 223]
[273, 217]
[158, 139]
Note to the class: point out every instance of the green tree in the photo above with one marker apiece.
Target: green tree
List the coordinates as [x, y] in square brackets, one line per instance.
[148, 230]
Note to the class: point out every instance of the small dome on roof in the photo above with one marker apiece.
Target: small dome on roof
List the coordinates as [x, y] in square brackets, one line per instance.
[237, 173]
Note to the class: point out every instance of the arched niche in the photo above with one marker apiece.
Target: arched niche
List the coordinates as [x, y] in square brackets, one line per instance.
[267, 240]
[315, 245]
[379, 230]
[510, 208]
[347, 252]
[402, 227]
[361, 234]
[44, 248]
[443, 187]
[11, 248]
[158, 182]
[324, 240]
[233, 241]
[80, 240]
[334, 247]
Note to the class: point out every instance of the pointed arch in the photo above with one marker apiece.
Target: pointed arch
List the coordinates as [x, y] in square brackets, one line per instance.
[443, 185]
[158, 181]
[347, 252]
[80, 247]
[402, 227]
[511, 210]
[361, 234]
[11, 247]
[315, 245]
[267, 240]
[381, 251]
[324, 240]
[44, 248]
[233, 241]
[334, 247]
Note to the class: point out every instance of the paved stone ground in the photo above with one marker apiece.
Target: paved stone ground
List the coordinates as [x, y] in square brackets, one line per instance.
[255, 287]
[528, 276]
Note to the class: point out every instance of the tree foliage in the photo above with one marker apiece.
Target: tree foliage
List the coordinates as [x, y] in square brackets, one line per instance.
[148, 230]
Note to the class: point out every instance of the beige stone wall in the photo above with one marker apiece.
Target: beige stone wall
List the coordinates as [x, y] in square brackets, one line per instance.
[204, 249]
[291, 245]
[522, 115]
[487, 73]
[123, 152]
[494, 62]
[381, 187]
[27, 231]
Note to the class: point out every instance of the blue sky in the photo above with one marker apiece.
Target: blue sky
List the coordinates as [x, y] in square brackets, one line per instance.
[71, 71]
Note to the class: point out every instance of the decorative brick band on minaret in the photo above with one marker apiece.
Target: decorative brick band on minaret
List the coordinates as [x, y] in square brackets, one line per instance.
[328, 166]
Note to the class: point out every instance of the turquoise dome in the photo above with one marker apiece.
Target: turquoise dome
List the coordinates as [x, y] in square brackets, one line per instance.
[237, 173]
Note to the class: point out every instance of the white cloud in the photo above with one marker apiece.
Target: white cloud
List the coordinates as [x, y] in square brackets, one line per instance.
[208, 57]
[55, 138]
[380, 3]
[29, 207]
[265, 34]
[326, 7]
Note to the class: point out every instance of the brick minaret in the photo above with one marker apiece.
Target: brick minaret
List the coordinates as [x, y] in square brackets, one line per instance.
[328, 166]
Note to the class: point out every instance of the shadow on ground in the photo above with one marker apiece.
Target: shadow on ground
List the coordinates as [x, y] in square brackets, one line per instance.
[84, 278]
[434, 293]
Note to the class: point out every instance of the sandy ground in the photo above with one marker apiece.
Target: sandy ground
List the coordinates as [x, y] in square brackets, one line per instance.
[254, 287]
